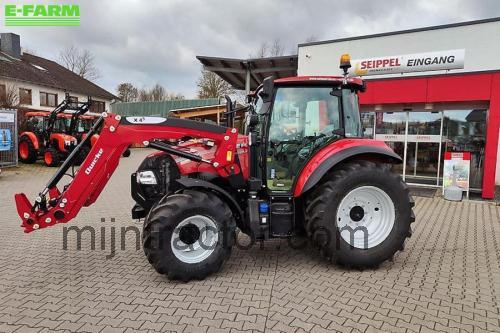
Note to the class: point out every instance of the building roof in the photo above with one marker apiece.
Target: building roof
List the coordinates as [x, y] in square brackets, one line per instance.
[234, 71]
[40, 71]
[160, 108]
[400, 32]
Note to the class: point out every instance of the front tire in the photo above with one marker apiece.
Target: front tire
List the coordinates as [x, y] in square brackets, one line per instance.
[360, 215]
[51, 157]
[27, 152]
[188, 235]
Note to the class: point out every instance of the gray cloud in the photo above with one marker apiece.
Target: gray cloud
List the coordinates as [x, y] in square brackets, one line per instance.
[145, 42]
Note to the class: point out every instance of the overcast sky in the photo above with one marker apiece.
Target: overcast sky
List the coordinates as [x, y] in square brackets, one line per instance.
[145, 42]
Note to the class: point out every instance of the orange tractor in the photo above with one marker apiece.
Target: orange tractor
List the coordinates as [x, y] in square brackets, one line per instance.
[53, 135]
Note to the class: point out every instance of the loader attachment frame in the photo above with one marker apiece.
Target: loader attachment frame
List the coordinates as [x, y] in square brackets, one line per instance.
[53, 206]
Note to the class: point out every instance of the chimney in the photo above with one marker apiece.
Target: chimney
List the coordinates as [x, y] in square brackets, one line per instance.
[10, 44]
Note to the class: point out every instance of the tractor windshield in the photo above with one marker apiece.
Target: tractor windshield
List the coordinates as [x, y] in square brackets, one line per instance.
[35, 124]
[303, 119]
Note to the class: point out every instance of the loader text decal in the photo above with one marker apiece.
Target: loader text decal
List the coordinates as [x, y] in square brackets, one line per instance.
[98, 155]
[418, 62]
[41, 15]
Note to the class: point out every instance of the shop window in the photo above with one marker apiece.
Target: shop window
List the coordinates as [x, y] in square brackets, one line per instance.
[48, 99]
[25, 96]
[368, 122]
[465, 130]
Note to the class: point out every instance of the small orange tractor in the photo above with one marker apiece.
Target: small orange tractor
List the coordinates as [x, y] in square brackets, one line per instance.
[53, 135]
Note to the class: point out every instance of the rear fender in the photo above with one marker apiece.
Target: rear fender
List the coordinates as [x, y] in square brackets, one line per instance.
[34, 139]
[340, 151]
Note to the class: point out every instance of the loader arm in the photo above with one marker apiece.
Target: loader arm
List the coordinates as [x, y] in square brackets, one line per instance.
[54, 206]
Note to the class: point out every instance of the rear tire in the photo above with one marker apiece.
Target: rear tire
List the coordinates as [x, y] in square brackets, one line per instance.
[27, 152]
[360, 215]
[188, 235]
[51, 157]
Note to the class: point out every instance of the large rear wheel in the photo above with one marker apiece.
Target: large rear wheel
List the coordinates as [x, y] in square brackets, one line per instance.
[361, 215]
[188, 235]
[27, 152]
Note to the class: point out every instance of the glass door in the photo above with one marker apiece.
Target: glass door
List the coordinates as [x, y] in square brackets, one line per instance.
[390, 127]
[423, 147]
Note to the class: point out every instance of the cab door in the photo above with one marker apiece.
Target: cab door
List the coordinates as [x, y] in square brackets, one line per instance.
[302, 121]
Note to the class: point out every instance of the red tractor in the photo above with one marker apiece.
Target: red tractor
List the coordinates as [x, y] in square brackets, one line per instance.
[302, 167]
[53, 135]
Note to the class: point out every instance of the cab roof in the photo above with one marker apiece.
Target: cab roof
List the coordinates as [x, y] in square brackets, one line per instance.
[319, 80]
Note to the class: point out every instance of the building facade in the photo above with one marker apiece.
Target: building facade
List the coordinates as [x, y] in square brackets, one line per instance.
[429, 91]
[32, 83]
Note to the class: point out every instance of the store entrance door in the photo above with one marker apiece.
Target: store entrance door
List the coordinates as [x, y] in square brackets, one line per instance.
[423, 147]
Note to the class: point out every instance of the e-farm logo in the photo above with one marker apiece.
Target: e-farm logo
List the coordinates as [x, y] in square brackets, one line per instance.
[42, 15]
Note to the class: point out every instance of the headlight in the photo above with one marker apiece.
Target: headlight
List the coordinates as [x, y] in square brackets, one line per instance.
[146, 178]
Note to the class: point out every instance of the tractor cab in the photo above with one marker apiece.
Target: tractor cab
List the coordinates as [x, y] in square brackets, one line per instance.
[298, 116]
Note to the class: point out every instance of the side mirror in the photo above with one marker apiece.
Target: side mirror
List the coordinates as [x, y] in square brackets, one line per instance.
[267, 89]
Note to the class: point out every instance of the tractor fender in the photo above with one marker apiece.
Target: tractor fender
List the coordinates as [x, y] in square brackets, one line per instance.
[337, 152]
[193, 183]
[32, 136]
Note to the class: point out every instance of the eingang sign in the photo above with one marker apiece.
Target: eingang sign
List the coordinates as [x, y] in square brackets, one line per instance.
[417, 62]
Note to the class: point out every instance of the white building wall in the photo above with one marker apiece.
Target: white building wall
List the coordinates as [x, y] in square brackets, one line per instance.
[35, 94]
[479, 41]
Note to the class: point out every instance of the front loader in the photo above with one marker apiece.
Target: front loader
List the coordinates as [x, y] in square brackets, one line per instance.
[302, 166]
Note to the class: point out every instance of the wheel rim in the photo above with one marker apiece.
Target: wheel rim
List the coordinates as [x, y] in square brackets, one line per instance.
[365, 217]
[23, 150]
[194, 239]
[48, 158]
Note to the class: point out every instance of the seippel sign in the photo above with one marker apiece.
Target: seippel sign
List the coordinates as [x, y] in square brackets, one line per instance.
[407, 63]
[41, 15]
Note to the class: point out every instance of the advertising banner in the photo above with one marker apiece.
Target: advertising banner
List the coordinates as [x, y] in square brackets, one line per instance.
[407, 63]
[456, 170]
[5, 139]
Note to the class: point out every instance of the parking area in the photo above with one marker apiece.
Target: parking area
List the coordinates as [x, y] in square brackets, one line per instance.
[447, 278]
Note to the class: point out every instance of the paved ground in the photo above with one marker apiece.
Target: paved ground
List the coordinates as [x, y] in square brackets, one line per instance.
[447, 279]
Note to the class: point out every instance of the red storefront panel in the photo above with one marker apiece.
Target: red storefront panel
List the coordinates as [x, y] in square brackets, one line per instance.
[447, 88]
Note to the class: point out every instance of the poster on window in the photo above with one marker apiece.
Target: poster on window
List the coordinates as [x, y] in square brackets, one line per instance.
[456, 170]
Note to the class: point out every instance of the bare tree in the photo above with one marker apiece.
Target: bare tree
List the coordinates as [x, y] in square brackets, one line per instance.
[11, 97]
[157, 93]
[311, 38]
[277, 48]
[262, 51]
[210, 85]
[79, 61]
[127, 92]
[266, 49]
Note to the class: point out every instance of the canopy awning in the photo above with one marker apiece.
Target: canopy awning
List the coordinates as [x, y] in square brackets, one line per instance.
[248, 74]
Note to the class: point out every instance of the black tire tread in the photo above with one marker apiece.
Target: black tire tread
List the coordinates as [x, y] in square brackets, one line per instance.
[171, 205]
[317, 201]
